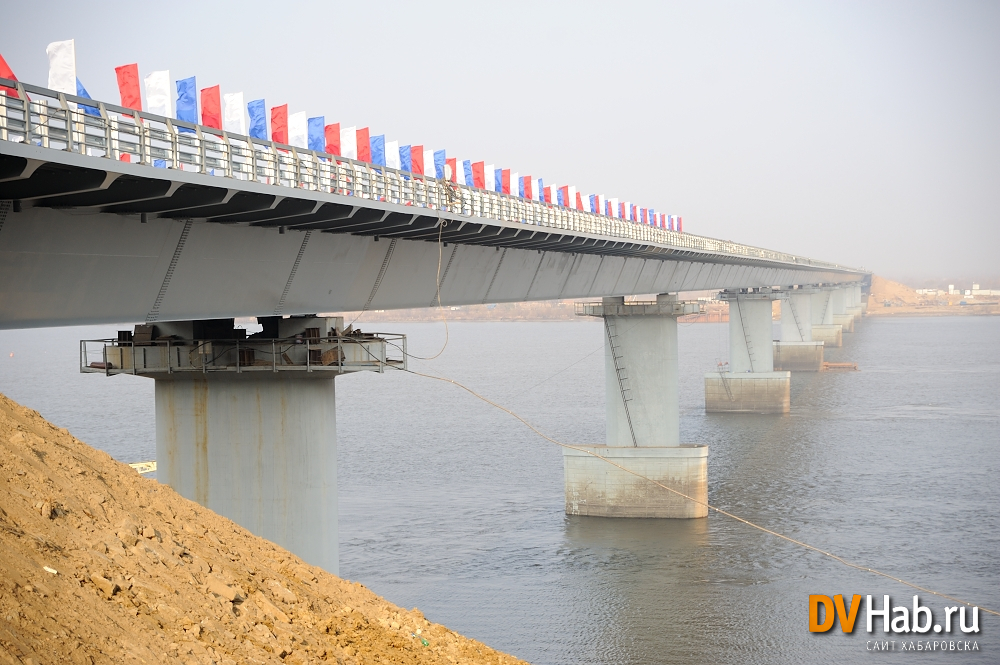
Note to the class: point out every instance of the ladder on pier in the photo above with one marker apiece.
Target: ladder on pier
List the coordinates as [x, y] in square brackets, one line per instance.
[624, 387]
[795, 317]
[746, 334]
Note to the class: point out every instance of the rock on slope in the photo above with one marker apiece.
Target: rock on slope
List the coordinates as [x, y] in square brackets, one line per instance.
[100, 565]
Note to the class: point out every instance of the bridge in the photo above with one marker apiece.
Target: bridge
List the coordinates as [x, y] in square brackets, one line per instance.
[108, 214]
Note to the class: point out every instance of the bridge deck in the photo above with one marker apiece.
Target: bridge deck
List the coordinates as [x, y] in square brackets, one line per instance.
[54, 154]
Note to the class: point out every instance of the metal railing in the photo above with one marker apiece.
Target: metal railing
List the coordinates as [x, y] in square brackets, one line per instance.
[337, 354]
[59, 121]
[638, 308]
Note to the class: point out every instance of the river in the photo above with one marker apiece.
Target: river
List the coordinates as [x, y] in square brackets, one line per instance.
[452, 506]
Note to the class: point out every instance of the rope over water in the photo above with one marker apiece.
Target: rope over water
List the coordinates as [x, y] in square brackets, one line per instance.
[720, 511]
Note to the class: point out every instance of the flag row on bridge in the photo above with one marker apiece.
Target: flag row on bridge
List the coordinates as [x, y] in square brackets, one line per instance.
[226, 112]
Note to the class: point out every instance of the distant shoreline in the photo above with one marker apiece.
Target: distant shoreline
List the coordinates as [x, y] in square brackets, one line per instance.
[546, 311]
[887, 298]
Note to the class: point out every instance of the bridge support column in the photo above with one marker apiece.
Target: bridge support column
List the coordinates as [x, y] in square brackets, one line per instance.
[823, 328]
[840, 314]
[751, 385]
[258, 448]
[797, 351]
[247, 426]
[643, 431]
[854, 302]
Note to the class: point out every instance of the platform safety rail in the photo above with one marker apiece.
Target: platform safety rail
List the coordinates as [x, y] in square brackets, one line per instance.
[61, 122]
[334, 354]
[638, 308]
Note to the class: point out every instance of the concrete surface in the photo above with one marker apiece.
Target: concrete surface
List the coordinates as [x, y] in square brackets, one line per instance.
[648, 348]
[846, 322]
[798, 356]
[596, 488]
[758, 392]
[831, 335]
[260, 449]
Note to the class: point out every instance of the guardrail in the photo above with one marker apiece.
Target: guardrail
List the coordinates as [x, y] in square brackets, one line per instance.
[337, 354]
[59, 121]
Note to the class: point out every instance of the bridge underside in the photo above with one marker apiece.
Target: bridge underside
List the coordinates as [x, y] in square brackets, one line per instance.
[79, 246]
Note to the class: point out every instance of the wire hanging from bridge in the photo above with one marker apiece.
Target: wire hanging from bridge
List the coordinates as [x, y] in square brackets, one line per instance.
[715, 509]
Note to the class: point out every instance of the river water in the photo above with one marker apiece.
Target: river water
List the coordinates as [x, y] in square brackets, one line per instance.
[452, 506]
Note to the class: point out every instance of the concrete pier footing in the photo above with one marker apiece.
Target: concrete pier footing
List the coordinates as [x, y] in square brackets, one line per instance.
[798, 356]
[595, 487]
[831, 335]
[643, 424]
[260, 449]
[756, 392]
[846, 322]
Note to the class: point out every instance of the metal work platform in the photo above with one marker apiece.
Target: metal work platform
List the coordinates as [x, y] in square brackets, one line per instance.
[638, 308]
[333, 354]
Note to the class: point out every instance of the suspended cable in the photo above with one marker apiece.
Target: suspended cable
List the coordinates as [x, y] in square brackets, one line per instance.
[699, 502]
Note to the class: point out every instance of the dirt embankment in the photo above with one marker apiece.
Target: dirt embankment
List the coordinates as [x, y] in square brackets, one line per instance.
[889, 298]
[100, 565]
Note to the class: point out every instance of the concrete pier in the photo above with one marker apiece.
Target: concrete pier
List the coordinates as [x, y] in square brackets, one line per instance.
[823, 328]
[852, 301]
[642, 421]
[751, 385]
[840, 313]
[247, 426]
[797, 351]
[259, 449]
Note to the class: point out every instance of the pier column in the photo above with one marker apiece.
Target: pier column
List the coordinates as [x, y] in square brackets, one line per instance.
[840, 314]
[856, 307]
[852, 301]
[798, 351]
[751, 385]
[643, 430]
[258, 448]
[247, 426]
[823, 328]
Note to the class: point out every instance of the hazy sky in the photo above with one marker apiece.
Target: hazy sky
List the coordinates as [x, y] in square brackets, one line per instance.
[866, 133]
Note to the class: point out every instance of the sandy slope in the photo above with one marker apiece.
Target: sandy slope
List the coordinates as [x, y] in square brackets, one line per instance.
[100, 565]
[887, 290]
